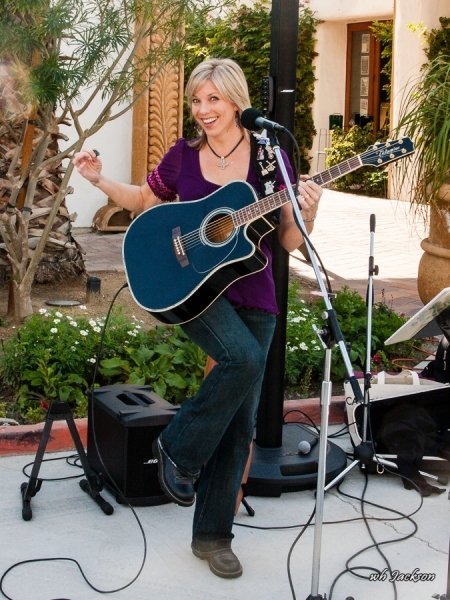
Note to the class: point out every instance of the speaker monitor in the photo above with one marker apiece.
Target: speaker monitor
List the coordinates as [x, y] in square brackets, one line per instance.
[123, 422]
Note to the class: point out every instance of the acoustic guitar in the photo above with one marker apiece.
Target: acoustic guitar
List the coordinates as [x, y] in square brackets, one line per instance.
[179, 257]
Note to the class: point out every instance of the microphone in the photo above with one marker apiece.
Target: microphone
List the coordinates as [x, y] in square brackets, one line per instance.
[251, 118]
[305, 447]
[372, 223]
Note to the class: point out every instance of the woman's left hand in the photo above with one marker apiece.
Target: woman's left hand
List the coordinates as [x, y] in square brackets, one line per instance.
[308, 198]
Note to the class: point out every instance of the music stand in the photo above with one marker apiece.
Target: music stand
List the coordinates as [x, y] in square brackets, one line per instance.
[431, 320]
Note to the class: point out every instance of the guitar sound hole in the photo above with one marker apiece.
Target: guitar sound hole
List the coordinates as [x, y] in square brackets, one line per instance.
[219, 229]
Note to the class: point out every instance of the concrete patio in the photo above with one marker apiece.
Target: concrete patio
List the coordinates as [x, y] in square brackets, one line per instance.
[144, 552]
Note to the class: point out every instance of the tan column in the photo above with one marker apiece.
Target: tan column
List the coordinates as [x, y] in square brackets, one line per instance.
[157, 124]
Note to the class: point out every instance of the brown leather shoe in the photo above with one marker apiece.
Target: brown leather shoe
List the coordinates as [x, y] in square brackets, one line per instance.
[222, 560]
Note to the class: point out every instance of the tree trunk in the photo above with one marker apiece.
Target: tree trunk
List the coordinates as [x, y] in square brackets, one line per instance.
[21, 301]
[62, 257]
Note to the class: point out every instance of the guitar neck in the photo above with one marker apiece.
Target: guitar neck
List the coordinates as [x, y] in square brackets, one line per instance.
[269, 203]
[333, 173]
[377, 155]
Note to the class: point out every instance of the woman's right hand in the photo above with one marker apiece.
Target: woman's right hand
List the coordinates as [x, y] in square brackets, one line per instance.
[88, 164]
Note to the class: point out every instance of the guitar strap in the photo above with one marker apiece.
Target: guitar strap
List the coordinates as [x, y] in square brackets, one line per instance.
[265, 163]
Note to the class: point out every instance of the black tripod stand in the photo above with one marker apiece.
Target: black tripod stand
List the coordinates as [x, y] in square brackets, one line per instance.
[91, 485]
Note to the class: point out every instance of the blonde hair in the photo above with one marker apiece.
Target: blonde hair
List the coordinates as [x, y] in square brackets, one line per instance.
[228, 78]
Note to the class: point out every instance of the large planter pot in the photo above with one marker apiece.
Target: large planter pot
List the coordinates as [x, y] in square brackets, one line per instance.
[434, 266]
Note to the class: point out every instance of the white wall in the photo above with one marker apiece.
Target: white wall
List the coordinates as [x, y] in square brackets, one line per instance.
[113, 142]
[331, 61]
[352, 10]
[330, 84]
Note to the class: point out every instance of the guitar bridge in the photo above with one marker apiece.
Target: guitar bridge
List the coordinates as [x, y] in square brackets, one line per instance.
[178, 247]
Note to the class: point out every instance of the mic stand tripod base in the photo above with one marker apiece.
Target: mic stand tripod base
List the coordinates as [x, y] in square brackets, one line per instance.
[91, 485]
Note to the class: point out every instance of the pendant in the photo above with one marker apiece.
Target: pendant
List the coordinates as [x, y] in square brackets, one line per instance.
[222, 164]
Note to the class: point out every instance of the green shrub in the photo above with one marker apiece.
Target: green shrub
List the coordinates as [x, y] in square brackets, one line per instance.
[305, 353]
[168, 361]
[53, 357]
[368, 180]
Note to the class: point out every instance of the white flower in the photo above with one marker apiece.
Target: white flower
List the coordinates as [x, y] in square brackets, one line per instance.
[92, 360]
[56, 321]
[82, 307]
[96, 329]
[303, 346]
[53, 330]
[92, 323]
[59, 315]
[83, 332]
[42, 311]
[73, 323]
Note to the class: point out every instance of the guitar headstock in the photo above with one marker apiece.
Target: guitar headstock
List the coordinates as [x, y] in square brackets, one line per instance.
[383, 153]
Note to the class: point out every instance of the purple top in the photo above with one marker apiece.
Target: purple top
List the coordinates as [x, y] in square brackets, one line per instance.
[179, 175]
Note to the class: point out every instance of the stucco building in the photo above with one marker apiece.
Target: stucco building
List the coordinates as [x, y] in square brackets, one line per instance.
[348, 85]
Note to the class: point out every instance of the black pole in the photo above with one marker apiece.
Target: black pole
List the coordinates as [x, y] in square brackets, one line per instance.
[283, 65]
[278, 464]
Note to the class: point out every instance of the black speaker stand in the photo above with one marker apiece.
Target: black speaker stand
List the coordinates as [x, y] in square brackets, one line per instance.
[92, 485]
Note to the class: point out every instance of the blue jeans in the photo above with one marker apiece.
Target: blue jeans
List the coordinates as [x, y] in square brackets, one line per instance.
[211, 433]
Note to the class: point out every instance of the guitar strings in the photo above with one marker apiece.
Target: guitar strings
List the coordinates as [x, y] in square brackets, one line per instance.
[192, 238]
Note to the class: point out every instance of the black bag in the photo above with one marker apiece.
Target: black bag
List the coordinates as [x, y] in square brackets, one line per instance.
[439, 368]
[410, 432]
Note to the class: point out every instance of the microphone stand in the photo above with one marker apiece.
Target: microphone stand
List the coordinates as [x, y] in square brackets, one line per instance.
[364, 452]
[329, 335]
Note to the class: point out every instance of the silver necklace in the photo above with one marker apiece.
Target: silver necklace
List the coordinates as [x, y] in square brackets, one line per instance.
[222, 164]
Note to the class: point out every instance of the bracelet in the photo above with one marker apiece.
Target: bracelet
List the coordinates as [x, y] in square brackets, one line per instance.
[309, 220]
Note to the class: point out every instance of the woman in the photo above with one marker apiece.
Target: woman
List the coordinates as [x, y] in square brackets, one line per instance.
[203, 451]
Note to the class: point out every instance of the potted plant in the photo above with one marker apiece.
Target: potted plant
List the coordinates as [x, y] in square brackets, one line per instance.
[425, 117]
